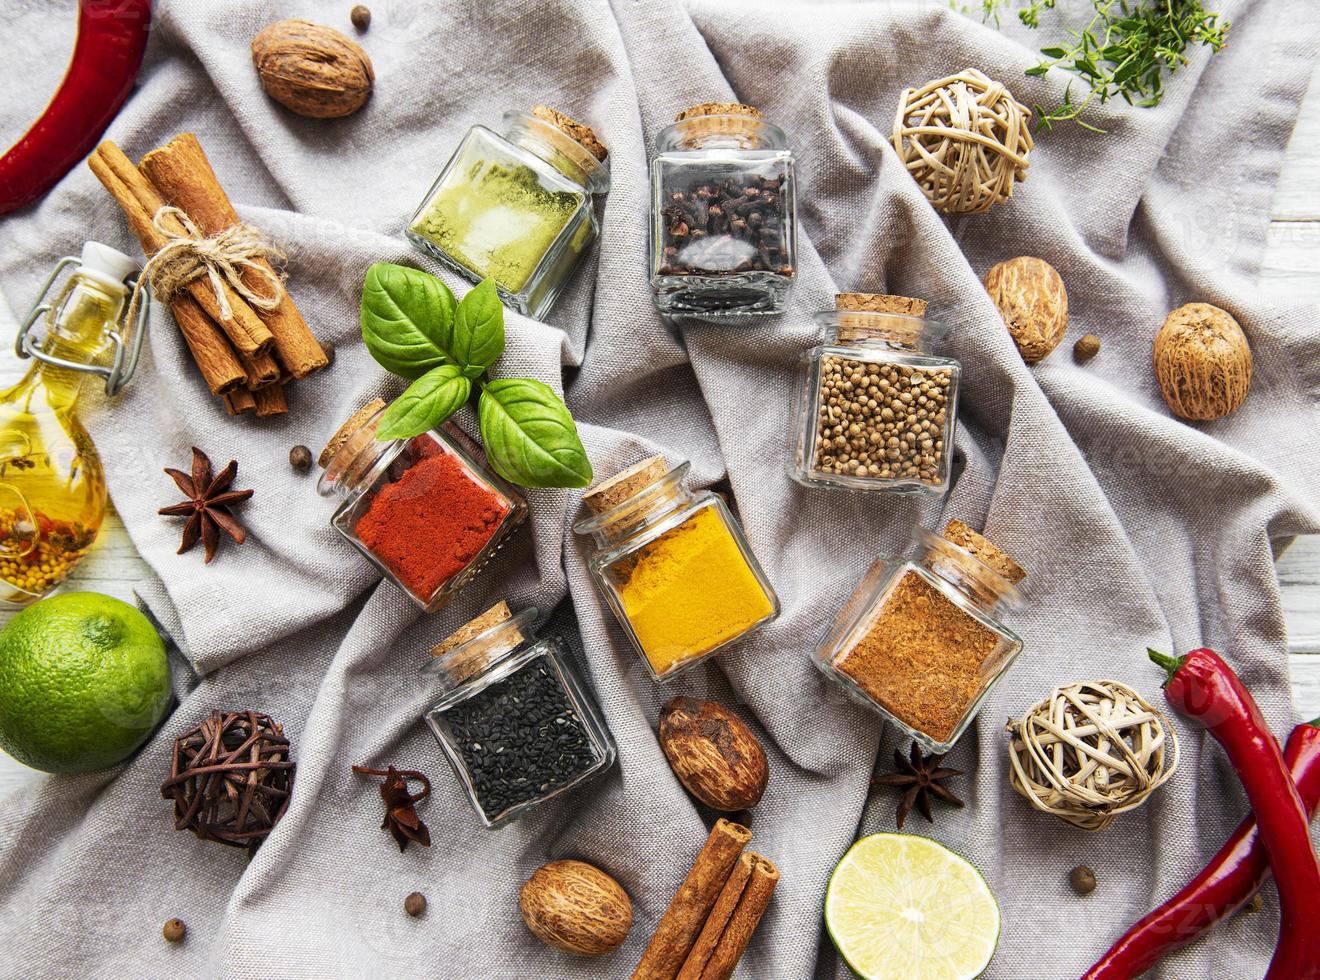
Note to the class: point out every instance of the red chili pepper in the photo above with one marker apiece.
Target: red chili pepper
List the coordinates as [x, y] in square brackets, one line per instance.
[1205, 689]
[1228, 882]
[112, 35]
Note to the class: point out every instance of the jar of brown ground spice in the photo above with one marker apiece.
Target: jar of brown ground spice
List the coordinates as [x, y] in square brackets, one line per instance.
[877, 410]
[918, 640]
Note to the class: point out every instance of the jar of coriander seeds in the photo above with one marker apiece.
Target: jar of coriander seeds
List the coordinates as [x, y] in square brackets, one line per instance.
[512, 718]
[723, 218]
[920, 642]
[517, 207]
[876, 409]
[674, 566]
[425, 510]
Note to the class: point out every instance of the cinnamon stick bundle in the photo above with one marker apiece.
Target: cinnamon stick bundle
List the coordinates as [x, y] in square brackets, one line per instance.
[735, 916]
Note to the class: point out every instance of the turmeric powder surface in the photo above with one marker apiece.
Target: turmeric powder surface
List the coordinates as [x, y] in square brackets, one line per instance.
[689, 591]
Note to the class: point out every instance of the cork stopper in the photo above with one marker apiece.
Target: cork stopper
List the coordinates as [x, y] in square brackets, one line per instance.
[608, 494]
[879, 303]
[346, 431]
[472, 661]
[731, 119]
[582, 133]
[718, 109]
[980, 546]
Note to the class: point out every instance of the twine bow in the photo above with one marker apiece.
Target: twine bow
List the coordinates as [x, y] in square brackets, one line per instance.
[189, 255]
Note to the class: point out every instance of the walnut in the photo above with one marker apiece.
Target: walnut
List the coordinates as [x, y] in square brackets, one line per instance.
[313, 70]
[1033, 303]
[1202, 362]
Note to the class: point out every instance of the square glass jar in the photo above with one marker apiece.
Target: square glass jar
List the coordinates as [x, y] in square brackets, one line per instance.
[876, 410]
[513, 719]
[398, 491]
[723, 214]
[518, 208]
[918, 641]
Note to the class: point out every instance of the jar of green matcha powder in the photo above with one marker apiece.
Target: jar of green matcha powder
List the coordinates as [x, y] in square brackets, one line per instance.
[517, 208]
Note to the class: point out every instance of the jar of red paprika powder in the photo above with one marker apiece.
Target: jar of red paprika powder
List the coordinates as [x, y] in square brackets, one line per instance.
[424, 510]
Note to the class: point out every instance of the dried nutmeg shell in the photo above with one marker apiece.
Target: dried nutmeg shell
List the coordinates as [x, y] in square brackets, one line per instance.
[1030, 296]
[1203, 362]
[713, 753]
[576, 907]
[313, 70]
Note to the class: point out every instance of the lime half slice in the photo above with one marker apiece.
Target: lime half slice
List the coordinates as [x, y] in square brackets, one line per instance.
[900, 906]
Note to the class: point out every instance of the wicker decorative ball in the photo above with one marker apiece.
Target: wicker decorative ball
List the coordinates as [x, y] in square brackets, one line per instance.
[230, 778]
[965, 140]
[1091, 751]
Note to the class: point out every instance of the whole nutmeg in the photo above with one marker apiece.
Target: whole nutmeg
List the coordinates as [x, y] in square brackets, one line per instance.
[1033, 303]
[174, 931]
[313, 70]
[576, 907]
[713, 753]
[1202, 362]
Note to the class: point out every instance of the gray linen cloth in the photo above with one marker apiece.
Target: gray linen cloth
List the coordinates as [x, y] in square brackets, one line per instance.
[1136, 529]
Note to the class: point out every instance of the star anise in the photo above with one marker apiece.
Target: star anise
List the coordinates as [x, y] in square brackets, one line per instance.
[921, 777]
[208, 503]
[401, 818]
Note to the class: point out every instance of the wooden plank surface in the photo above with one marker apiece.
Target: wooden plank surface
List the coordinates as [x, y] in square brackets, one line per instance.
[1291, 266]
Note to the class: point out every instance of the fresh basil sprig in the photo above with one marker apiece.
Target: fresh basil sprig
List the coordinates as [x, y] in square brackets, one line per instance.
[414, 328]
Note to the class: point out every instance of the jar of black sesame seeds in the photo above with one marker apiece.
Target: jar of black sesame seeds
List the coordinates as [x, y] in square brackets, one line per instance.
[877, 410]
[723, 224]
[513, 719]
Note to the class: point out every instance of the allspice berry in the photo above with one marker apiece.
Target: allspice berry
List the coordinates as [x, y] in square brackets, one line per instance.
[300, 458]
[1203, 362]
[361, 18]
[174, 931]
[415, 904]
[1086, 348]
[1082, 880]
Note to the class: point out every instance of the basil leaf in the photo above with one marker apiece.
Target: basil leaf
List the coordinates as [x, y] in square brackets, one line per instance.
[529, 435]
[478, 337]
[407, 316]
[429, 400]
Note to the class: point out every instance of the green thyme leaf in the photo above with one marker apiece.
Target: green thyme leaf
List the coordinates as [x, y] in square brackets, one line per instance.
[478, 338]
[530, 437]
[407, 316]
[429, 400]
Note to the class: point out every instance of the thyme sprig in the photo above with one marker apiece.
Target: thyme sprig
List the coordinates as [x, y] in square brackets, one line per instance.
[1124, 52]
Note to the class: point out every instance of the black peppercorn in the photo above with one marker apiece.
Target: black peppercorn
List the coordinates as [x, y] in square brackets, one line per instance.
[1082, 880]
[415, 904]
[361, 17]
[174, 931]
[300, 458]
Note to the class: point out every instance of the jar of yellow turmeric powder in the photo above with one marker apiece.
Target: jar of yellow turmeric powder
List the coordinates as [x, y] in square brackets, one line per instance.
[674, 566]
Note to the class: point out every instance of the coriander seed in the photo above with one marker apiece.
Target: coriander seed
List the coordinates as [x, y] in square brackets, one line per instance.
[174, 931]
[1082, 880]
[361, 18]
[415, 904]
[1086, 348]
[300, 458]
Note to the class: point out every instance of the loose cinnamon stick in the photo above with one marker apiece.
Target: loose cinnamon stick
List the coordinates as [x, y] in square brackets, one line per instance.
[140, 201]
[270, 401]
[214, 356]
[692, 903]
[240, 401]
[741, 906]
[182, 173]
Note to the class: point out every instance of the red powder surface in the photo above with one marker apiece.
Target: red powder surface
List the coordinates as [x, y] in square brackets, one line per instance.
[429, 524]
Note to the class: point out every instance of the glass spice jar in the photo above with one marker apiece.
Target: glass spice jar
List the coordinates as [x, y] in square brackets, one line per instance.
[723, 218]
[674, 566]
[876, 411]
[424, 510]
[518, 208]
[513, 719]
[918, 640]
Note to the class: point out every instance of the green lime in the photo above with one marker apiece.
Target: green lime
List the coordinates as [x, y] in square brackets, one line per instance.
[83, 681]
[905, 906]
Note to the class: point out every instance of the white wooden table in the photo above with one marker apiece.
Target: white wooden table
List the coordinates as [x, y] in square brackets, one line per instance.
[1292, 266]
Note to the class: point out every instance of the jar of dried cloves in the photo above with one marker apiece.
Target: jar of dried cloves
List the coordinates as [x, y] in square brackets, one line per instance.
[876, 410]
[513, 719]
[723, 221]
[424, 510]
[919, 641]
[674, 566]
[518, 208]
